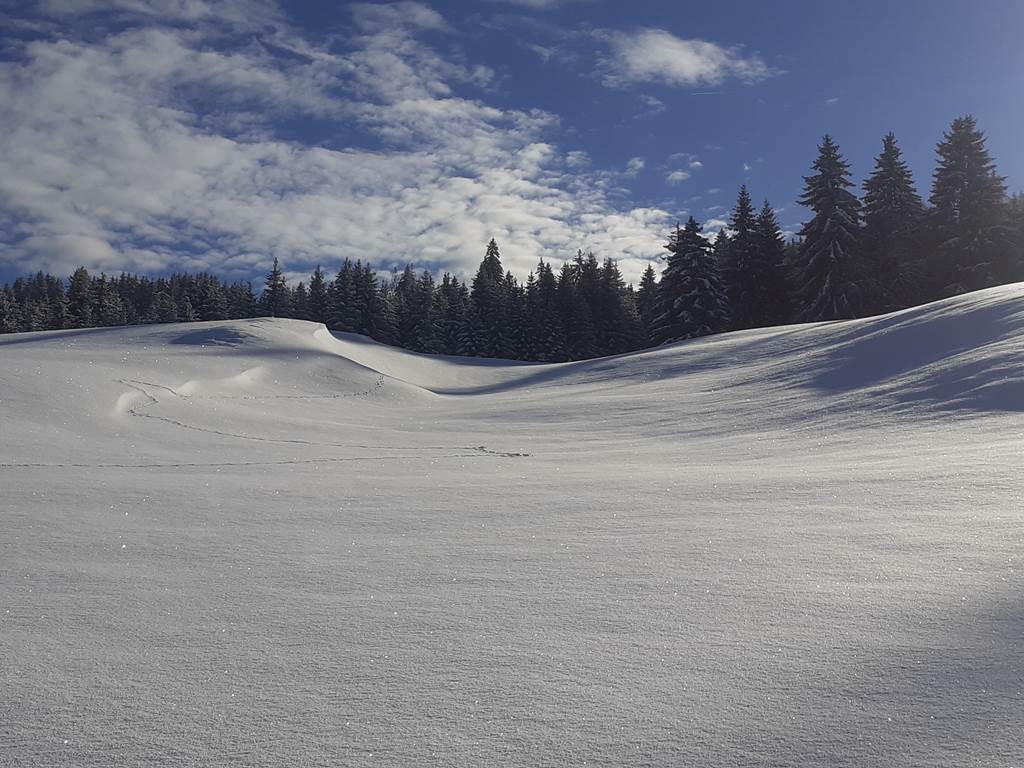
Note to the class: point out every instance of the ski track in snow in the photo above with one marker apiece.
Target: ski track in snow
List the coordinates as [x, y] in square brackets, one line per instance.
[794, 547]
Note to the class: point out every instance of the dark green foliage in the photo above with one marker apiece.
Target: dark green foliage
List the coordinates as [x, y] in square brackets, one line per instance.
[318, 296]
[772, 295]
[968, 196]
[893, 212]
[489, 298]
[740, 264]
[830, 275]
[275, 299]
[646, 302]
[691, 295]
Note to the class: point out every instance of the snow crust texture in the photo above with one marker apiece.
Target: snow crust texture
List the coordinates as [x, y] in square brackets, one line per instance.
[255, 543]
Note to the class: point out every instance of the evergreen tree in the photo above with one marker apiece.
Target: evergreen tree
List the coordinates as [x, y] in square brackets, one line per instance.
[741, 268]
[299, 302]
[1013, 214]
[409, 308]
[614, 308]
[451, 303]
[80, 299]
[547, 339]
[186, 312]
[518, 339]
[211, 304]
[646, 303]
[490, 316]
[240, 300]
[892, 217]
[10, 312]
[577, 318]
[275, 294]
[692, 297]
[829, 279]
[772, 295]
[318, 296]
[109, 307]
[968, 197]
[164, 308]
[346, 306]
[56, 304]
[378, 319]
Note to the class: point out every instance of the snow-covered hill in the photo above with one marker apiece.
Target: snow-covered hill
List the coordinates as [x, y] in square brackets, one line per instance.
[255, 543]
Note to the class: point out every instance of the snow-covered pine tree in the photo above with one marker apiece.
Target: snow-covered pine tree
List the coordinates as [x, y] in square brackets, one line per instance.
[378, 319]
[892, 217]
[409, 309]
[451, 302]
[774, 294]
[426, 336]
[549, 339]
[299, 308]
[646, 303]
[109, 307]
[275, 293]
[345, 311]
[577, 319]
[80, 299]
[968, 197]
[164, 309]
[618, 326]
[517, 339]
[318, 296]
[692, 298]
[10, 312]
[489, 297]
[829, 269]
[740, 267]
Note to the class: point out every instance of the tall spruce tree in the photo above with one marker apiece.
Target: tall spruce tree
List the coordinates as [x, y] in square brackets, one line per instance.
[614, 309]
[318, 296]
[344, 311]
[577, 319]
[547, 330]
[740, 269]
[773, 295]
[692, 297]
[892, 218]
[275, 294]
[968, 196]
[80, 308]
[647, 303]
[829, 271]
[490, 302]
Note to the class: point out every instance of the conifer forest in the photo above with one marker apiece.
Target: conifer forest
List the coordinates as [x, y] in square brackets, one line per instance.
[855, 256]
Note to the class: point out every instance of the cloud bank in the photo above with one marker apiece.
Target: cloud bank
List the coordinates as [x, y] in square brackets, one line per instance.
[164, 139]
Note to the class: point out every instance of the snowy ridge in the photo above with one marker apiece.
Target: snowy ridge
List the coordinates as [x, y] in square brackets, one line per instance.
[254, 542]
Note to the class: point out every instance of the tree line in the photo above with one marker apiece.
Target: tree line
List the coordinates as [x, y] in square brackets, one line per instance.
[855, 256]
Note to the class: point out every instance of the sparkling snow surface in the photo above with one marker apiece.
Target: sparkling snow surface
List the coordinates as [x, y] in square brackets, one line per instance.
[252, 543]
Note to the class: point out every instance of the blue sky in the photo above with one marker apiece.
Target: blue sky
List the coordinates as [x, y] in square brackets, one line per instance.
[188, 134]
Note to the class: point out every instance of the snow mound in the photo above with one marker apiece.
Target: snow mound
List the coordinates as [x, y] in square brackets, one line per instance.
[259, 543]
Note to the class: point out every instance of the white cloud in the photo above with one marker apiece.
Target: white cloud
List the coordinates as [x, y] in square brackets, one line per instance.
[833, 100]
[635, 165]
[696, 165]
[156, 148]
[747, 167]
[538, 4]
[677, 177]
[655, 55]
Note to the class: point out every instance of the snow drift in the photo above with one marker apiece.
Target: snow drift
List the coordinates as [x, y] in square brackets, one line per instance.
[254, 542]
